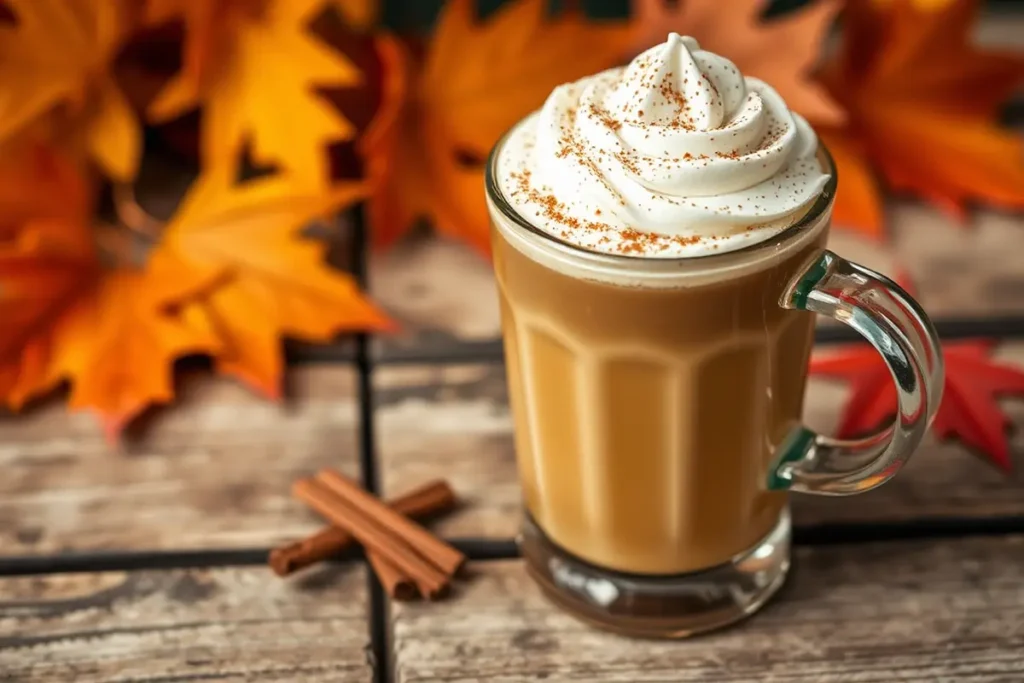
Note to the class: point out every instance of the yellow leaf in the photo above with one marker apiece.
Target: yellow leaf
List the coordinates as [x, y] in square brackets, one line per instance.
[273, 281]
[54, 62]
[254, 351]
[112, 135]
[257, 86]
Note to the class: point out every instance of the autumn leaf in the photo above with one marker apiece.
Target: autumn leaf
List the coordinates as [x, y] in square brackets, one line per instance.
[116, 346]
[65, 317]
[253, 65]
[359, 14]
[440, 117]
[859, 202]
[782, 51]
[46, 261]
[398, 196]
[922, 103]
[269, 282]
[55, 78]
[969, 409]
[209, 25]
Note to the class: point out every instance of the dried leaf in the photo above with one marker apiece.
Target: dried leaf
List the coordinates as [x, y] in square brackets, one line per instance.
[969, 409]
[116, 346]
[65, 318]
[54, 76]
[254, 65]
[269, 282]
[923, 105]
[438, 121]
[781, 51]
[46, 261]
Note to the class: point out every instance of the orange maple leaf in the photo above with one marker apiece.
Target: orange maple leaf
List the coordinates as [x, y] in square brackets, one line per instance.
[439, 119]
[270, 282]
[46, 261]
[65, 318]
[922, 104]
[116, 346]
[253, 66]
[55, 76]
[781, 52]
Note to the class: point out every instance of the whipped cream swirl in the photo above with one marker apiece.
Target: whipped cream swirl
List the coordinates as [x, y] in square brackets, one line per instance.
[677, 154]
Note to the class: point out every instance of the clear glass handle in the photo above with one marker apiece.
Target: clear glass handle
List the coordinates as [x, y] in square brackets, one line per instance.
[896, 326]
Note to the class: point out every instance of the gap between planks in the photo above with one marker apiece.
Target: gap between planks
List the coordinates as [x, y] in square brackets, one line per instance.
[491, 350]
[368, 461]
[485, 549]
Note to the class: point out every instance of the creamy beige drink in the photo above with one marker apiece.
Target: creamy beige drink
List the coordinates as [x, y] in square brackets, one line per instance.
[659, 237]
[646, 419]
[647, 411]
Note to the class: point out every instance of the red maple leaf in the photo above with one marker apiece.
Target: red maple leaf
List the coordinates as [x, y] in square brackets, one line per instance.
[969, 410]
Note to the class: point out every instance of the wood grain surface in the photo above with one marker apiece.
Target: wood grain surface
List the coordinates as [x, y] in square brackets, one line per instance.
[212, 472]
[909, 611]
[444, 294]
[454, 421]
[451, 421]
[163, 626]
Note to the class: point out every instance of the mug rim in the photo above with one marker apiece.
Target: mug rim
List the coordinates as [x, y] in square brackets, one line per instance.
[819, 207]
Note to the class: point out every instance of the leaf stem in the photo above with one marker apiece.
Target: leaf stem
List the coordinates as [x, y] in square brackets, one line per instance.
[131, 214]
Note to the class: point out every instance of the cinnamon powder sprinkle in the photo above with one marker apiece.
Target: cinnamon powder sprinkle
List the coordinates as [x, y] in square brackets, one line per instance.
[551, 208]
[632, 241]
[628, 162]
[637, 242]
[605, 118]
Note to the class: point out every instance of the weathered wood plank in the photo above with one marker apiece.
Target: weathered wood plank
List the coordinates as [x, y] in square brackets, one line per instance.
[225, 624]
[440, 291]
[444, 294]
[909, 611]
[959, 270]
[212, 471]
[453, 421]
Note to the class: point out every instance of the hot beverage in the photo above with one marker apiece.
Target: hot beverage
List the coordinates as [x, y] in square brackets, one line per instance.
[659, 242]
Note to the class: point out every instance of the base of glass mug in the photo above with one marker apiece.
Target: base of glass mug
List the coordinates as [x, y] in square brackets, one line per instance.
[674, 606]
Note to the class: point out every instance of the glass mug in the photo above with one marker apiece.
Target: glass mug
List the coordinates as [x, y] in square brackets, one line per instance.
[657, 412]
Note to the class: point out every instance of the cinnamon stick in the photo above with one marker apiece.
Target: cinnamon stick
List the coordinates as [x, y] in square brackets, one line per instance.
[397, 584]
[439, 553]
[374, 535]
[429, 499]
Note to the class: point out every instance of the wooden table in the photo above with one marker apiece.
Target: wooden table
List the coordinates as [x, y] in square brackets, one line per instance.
[147, 563]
